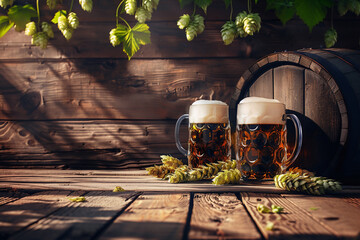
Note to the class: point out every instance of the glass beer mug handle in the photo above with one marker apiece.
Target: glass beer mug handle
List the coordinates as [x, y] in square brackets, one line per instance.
[298, 139]
[177, 136]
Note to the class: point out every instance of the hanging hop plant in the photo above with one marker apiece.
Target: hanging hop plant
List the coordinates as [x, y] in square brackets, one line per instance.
[195, 27]
[252, 23]
[51, 4]
[30, 29]
[114, 39]
[130, 7]
[64, 27]
[231, 176]
[86, 5]
[40, 39]
[228, 32]
[142, 15]
[239, 21]
[348, 5]
[304, 183]
[150, 5]
[199, 23]
[5, 3]
[183, 21]
[46, 27]
[330, 37]
[73, 20]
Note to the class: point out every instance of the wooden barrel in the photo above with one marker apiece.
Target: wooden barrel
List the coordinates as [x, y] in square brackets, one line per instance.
[322, 87]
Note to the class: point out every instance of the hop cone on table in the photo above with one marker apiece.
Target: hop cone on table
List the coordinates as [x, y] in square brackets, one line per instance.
[169, 166]
[181, 174]
[183, 21]
[40, 39]
[130, 7]
[231, 176]
[30, 29]
[228, 32]
[73, 20]
[239, 21]
[306, 184]
[5, 3]
[86, 5]
[330, 37]
[142, 15]
[252, 23]
[46, 27]
[114, 39]
[51, 4]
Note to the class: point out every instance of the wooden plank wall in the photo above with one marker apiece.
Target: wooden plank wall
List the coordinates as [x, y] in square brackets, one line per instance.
[82, 104]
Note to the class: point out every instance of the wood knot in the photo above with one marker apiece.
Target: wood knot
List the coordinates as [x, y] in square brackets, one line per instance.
[30, 101]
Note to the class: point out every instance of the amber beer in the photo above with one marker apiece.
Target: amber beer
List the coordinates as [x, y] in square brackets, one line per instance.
[261, 138]
[209, 133]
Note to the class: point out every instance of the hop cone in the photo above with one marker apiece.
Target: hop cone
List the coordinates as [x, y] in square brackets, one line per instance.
[198, 21]
[51, 4]
[228, 32]
[73, 20]
[231, 176]
[5, 3]
[353, 5]
[330, 37]
[150, 4]
[46, 27]
[63, 23]
[183, 21]
[210, 170]
[114, 40]
[160, 171]
[30, 28]
[142, 15]
[191, 31]
[130, 7]
[86, 5]
[40, 39]
[239, 21]
[68, 33]
[305, 184]
[252, 23]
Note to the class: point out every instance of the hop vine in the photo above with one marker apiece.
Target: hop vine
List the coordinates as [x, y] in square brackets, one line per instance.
[330, 37]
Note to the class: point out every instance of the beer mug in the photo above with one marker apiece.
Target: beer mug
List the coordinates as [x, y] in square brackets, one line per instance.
[209, 133]
[262, 138]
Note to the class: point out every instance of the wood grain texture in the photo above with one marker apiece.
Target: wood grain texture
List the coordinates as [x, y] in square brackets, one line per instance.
[263, 86]
[22, 213]
[334, 213]
[222, 216]
[294, 222]
[151, 216]
[78, 220]
[8, 195]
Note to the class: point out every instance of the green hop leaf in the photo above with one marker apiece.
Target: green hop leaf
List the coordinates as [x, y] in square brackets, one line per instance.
[132, 38]
[5, 25]
[203, 4]
[312, 12]
[21, 15]
[183, 3]
[30, 29]
[57, 15]
[227, 3]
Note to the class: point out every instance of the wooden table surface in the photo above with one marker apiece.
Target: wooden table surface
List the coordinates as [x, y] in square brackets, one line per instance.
[34, 204]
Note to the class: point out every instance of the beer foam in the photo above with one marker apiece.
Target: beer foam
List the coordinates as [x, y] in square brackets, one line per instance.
[209, 111]
[257, 110]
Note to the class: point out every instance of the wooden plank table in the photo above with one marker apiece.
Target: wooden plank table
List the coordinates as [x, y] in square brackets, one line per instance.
[34, 204]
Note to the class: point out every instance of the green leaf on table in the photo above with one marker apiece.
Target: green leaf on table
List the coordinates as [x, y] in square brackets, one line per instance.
[284, 10]
[183, 3]
[203, 4]
[132, 38]
[57, 15]
[5, 25]
[21, 15]
[312, 11]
